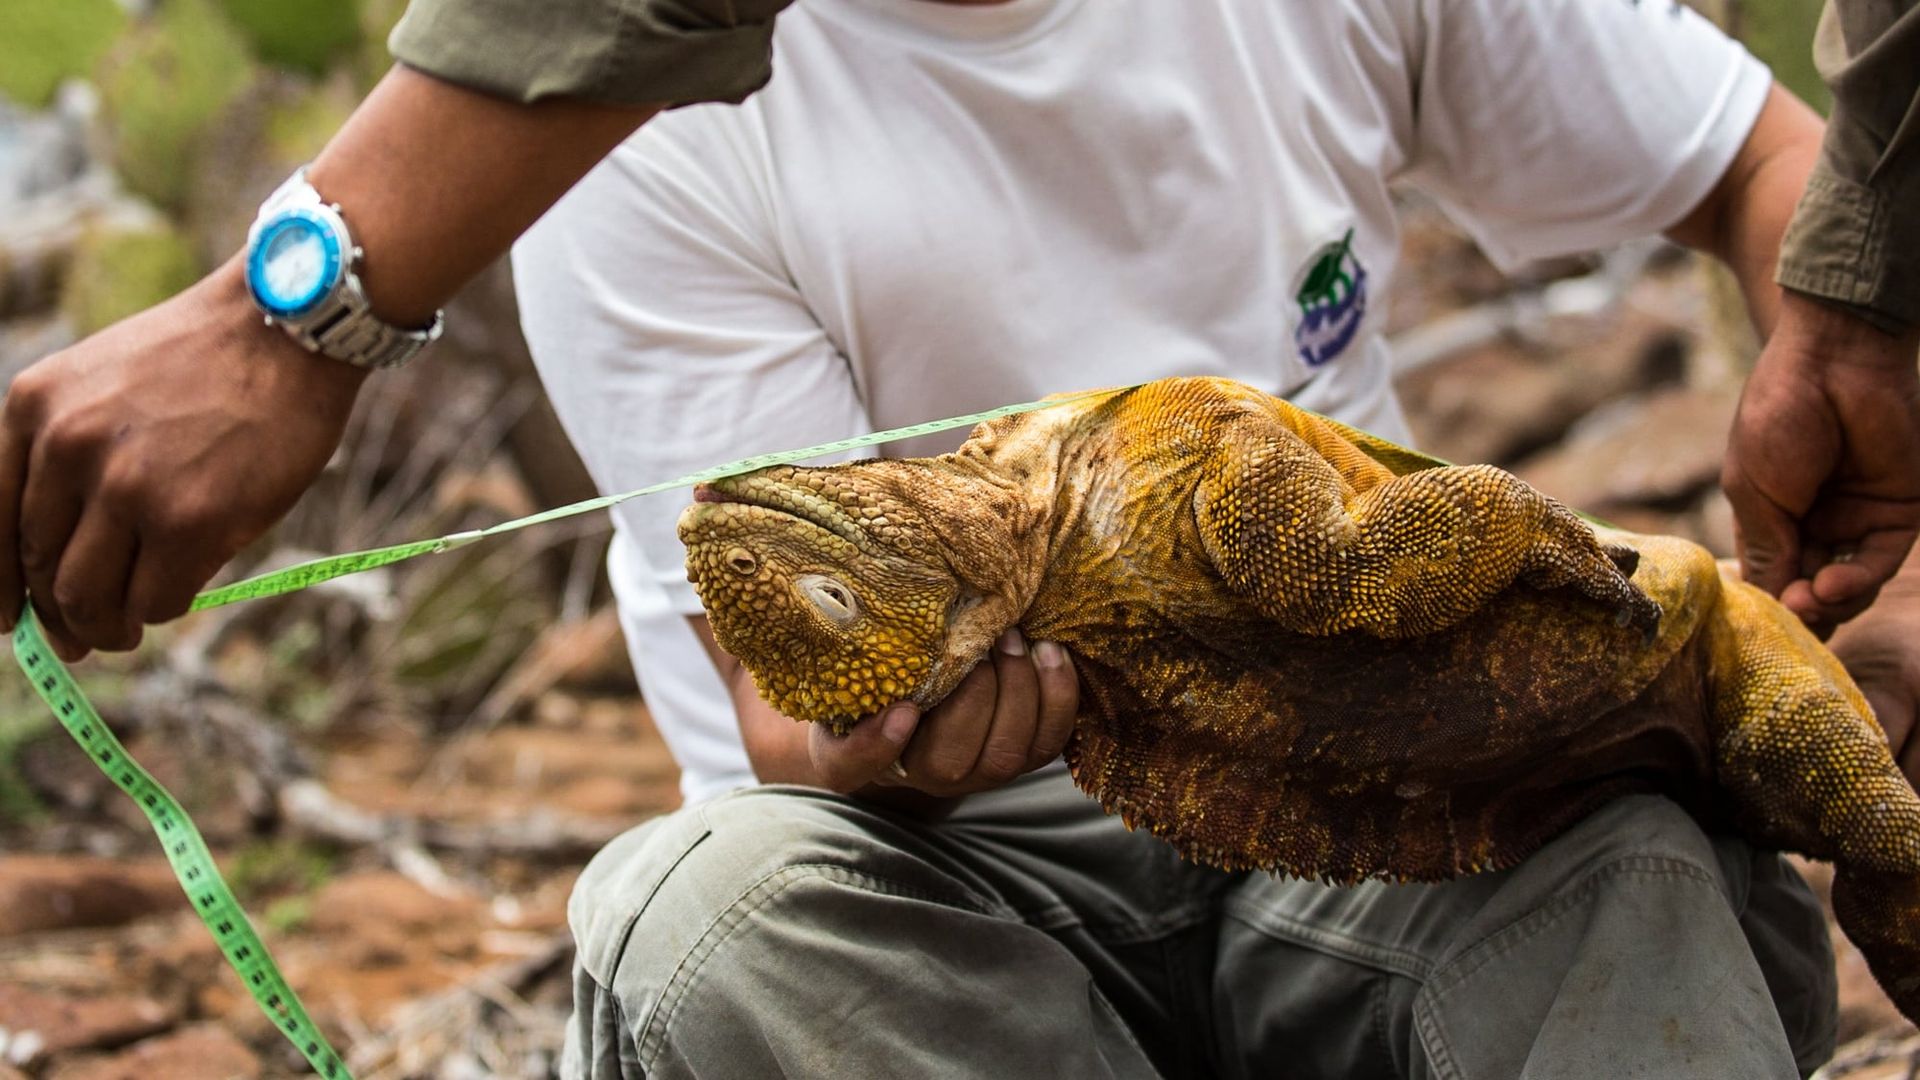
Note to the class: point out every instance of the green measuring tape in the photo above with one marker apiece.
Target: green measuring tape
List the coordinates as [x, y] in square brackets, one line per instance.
[192, 863]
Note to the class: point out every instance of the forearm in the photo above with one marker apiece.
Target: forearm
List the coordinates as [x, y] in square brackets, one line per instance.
[438, 180]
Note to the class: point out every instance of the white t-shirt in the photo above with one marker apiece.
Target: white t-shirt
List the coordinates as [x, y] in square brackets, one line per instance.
[935, 209]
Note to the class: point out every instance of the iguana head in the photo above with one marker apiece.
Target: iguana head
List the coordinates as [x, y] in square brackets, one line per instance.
[847, 588]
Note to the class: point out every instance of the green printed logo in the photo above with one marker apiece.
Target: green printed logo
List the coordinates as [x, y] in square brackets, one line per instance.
[1332, 294]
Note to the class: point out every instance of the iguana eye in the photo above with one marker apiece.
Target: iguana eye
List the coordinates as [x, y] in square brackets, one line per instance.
[834, 600]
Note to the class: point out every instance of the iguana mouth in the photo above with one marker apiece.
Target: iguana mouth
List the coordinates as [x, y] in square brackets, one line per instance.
[794, 502]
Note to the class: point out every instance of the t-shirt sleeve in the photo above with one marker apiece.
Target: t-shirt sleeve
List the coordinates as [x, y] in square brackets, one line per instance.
[1548, 127]
[631, 52]
[669, 336]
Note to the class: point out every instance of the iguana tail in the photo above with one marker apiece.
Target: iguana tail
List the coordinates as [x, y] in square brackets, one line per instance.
[1797, 746]
[1881, 914]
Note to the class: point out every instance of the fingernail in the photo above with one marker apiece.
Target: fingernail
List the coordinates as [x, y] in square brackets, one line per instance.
[1012, 644]
[1049, 654]
[898, 723]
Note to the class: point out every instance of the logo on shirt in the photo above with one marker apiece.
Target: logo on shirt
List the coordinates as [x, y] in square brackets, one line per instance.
[1332, 294]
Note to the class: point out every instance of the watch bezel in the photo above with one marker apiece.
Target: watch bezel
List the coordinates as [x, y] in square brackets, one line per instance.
[332, 234]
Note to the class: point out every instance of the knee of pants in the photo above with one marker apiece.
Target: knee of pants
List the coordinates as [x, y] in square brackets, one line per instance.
[647, 897]
[1638, 868]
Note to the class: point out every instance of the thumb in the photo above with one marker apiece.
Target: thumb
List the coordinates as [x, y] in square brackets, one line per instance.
[1765, 537]
[848, 762]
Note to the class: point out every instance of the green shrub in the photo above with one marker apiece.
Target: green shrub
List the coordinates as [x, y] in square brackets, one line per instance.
[377, 19]
[296, 129]
[303, 35]
[45, 41]
[280, 867]
[165, 89]
[116, 273]
[1780, 32]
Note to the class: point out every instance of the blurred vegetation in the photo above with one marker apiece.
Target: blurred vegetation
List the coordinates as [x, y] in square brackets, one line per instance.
[279, 866]
[43, 42]
[297, 129]
[377, 19]
[116, 273]
[22, 721]
[1780, 32]
[300, 35]
[25, 720]
[164, 90]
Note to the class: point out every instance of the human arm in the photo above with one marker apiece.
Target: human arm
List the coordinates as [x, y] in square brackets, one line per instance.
[1822, 459]
[1741, 220]
[1009, 716]
[135, 463]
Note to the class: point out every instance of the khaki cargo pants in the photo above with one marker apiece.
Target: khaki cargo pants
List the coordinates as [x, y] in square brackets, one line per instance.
[785, 931]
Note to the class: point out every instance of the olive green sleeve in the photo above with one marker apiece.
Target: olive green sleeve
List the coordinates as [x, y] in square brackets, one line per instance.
[630, 52]
[1855, 238]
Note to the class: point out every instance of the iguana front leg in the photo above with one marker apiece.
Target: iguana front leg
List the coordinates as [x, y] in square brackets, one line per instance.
[1408, 556]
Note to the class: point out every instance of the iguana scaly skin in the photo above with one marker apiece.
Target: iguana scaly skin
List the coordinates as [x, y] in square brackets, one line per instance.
[1306, 650]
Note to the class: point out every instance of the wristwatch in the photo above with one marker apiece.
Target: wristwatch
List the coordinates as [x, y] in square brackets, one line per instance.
[300, 272]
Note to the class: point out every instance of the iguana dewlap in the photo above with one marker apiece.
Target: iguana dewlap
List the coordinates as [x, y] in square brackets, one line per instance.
[1303, 649]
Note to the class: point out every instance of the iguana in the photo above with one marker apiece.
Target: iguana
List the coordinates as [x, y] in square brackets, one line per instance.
[1306, 650]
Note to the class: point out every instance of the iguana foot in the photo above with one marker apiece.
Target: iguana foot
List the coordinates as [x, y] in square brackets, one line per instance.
[1625, 559]
[1567, 552]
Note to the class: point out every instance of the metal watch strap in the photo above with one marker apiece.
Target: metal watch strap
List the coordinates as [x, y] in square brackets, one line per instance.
[345, 329]
[293, 191]
[344, 326]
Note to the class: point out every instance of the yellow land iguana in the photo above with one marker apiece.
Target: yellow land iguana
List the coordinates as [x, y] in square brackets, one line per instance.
[1305, 650]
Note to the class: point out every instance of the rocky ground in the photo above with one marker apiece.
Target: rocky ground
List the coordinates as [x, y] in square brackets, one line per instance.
[402, 775]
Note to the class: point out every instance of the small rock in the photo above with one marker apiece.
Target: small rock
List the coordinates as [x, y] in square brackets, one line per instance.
[35, 1026]
[1654, 451]
[202, 1052]
[59, 892]
[381, 898]
[1884, 1056]
[1504, 400]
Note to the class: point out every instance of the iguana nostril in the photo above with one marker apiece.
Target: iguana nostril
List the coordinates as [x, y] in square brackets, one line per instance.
[742, 562]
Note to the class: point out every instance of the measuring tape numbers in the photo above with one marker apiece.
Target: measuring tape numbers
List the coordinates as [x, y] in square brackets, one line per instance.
[187, 852]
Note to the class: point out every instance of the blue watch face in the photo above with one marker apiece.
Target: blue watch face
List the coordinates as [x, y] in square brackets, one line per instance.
[294, 263]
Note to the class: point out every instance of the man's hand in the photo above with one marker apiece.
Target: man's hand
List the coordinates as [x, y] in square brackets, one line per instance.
[136, 463]
[1881, 650]
[1823, 465]
[1009, 716]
